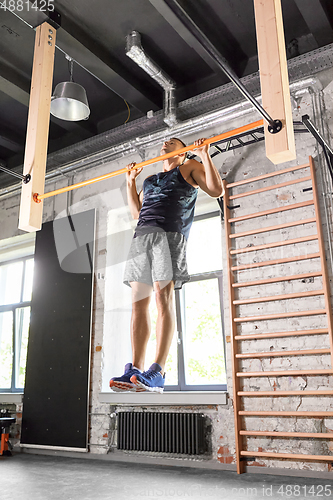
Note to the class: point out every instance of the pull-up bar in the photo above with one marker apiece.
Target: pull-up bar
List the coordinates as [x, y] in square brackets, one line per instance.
[39, 197]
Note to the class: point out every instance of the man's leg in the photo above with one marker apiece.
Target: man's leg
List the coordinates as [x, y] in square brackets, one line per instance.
[140, 331]
[140, 322]
[153, 379]
[165, 327]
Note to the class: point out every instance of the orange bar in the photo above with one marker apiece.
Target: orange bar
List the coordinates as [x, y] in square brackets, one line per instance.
[39, 197]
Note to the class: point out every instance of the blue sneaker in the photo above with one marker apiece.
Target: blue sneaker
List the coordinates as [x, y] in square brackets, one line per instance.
[123, 383]
[150, 380]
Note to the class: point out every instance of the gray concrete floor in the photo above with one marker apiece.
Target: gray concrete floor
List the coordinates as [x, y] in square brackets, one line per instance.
[37, 477]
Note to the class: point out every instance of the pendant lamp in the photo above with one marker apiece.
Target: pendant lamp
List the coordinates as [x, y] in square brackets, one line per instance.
[69, 100]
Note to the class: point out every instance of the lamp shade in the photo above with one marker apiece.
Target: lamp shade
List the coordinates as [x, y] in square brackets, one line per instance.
[69, 102]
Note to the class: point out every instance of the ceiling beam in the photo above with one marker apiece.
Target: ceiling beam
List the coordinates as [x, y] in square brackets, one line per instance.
[177, 15]
[122, 85]
[10, 143]
[82, 129]
[91, 57]
[186, 35]
[317, 20]
[16, 91]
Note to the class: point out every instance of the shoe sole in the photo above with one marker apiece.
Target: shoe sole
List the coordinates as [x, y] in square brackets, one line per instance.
[144, 387]
[124, 387]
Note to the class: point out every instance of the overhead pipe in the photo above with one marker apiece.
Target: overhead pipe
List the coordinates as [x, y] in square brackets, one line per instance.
[135, 51]
[274, 125]
[130, 146]
[125, 148]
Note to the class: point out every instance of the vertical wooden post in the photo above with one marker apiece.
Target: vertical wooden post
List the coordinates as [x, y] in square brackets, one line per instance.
[326, 281]
[280, 147]
[31, 213]
[233, 333]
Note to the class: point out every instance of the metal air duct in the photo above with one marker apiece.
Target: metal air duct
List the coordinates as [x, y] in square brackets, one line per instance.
[135, 51]
[97, 150]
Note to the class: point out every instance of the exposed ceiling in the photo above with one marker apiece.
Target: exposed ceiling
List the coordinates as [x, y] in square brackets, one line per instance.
[93, 33]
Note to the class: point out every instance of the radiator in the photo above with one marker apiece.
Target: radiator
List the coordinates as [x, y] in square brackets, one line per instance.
[162, 432]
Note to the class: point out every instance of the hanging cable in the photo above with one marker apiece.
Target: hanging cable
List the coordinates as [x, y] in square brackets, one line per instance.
[70, 67]
[129, 111]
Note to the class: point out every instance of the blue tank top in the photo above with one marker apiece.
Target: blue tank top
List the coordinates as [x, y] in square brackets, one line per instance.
[168, 204]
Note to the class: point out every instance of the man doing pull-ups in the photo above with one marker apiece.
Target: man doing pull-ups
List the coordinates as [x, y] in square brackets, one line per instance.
[157, 258]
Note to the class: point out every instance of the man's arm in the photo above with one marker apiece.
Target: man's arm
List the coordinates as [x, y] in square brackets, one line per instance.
[134, 199]
[206, 174]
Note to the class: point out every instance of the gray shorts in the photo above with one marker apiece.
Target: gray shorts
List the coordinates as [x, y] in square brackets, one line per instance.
[157, 256]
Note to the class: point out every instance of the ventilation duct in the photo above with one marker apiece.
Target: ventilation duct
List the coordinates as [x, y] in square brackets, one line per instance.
[135, 51]
[143, 133]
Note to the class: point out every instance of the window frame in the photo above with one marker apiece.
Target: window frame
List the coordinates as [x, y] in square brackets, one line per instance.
[13, 307]
[180, 321]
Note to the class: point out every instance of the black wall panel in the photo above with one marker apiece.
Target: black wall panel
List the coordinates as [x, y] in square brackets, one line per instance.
[55, 405]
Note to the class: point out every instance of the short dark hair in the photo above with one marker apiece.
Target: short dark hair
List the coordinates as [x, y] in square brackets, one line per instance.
[176, 139]
[183, 143]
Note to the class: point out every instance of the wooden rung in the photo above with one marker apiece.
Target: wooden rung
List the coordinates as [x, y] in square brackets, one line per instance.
[316, 435]
[266, 176]
[285, 296]
[277, 279]
[280, 394]
[275, 244]
[294, 314]
[320, 458]
[282, 353]
[268, 188]
[275, 262]
[321, 414]
[257, 336]
[272, 211]
[272, 228]
[286, 373]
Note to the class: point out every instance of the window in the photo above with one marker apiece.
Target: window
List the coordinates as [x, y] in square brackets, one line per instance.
[15, 300]
[196, 360]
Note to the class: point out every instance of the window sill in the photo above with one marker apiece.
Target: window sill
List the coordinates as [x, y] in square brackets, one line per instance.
[167, 398]
[10, 397]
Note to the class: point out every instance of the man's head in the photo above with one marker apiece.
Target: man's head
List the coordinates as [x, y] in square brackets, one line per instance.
[174, 144]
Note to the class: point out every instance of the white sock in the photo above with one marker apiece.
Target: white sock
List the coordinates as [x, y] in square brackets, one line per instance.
[135, 368]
